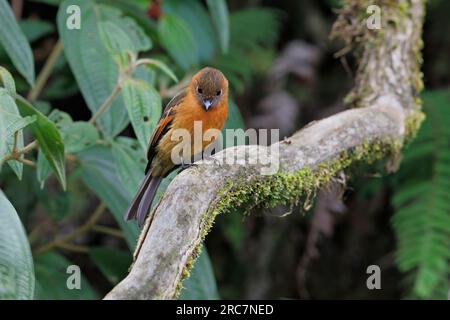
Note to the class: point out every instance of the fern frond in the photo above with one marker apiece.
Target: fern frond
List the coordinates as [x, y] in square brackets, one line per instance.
[422, 203]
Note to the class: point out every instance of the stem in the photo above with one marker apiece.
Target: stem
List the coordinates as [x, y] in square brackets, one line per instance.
[27, 162]
[45, 72]
[42, 79]
[107, 230]
[16, 135]
[73, 247]
[108, 102]
[27, 148]
[15, 155]
[62, 242]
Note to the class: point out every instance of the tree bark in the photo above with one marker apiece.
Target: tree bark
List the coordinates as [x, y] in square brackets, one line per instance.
[388, 82]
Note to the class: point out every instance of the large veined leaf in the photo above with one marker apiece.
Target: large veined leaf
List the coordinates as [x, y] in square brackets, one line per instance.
[52, 274]
[129, 162]
[35, 29]
[161, 66]
[77, 135]
[48, 137]
[43, 169]
[178, 40]
[196, 18]
[144, 108]
[15, 44]
[138, 11]
[99, 174]
[93, 66]
[121, 34]
[220, 18]
[3, 149]
[12, 122]
[16, 262]
[145, 73]
[201, 285]
[112, 262]
[16, 124]
[7, 81]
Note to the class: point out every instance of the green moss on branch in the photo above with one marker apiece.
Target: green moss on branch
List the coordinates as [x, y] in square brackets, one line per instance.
[286, 188]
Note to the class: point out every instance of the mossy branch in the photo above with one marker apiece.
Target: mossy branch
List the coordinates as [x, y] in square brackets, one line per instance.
[388, 82]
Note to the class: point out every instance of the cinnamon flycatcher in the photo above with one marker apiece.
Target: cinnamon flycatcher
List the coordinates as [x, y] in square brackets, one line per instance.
[205, 99]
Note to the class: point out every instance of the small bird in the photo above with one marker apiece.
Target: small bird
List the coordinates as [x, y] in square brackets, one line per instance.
[205, 99]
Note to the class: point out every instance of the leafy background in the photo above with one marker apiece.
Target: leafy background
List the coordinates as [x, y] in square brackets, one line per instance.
[91, 98]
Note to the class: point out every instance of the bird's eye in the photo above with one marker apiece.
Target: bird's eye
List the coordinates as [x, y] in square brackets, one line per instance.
[218, 92]
[199, 90]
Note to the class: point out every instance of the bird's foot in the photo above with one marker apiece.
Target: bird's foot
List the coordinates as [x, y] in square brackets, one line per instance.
[210, 159]
[185, 166]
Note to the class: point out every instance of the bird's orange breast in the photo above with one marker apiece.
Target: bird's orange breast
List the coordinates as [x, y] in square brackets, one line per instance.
[186, 115]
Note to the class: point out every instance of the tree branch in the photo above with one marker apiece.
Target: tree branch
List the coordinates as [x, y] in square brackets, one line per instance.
[388, 82]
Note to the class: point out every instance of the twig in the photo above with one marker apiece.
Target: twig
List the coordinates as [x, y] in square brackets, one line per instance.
[73, 247]
[45, 72]
[61, 242]
[42, 80]
[108, 102]
[107, 230]
[27, 162]
[27, 148]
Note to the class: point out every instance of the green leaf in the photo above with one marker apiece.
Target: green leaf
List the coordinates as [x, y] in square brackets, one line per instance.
[197, 19]
[144, 108]
[15, 44]
[421, 202]
[93, 66]
[3, 133]
[234, 121]
[163, 67]
[48, 137]
[136, 11]
[220, 18]
[77, 135]
[35, 29]
[51, 279]
[146, 73]
[121, 34]
[201, 285]
[43, 169]
[17, 126]
[7, 81]
[178, 40]
[129, 162]
[11, 120]
[19, 123]
[99, 174]
[130, 165]
[113, 263]
[16, 262]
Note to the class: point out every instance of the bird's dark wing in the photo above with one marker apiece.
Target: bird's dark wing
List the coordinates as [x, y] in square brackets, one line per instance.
[163, 125]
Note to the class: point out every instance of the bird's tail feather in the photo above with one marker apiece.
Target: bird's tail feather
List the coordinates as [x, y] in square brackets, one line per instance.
[147, 199]
[147, 192]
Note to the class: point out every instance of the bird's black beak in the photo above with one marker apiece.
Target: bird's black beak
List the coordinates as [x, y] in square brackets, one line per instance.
[207, 104]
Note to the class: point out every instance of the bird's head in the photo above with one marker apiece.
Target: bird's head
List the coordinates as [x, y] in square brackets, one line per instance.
[210, 87]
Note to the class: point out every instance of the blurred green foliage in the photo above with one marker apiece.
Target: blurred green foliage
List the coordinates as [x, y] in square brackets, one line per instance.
[79, 164]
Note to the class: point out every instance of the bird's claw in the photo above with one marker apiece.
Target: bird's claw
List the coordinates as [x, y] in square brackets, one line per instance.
[185, 166]
[213, 159]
